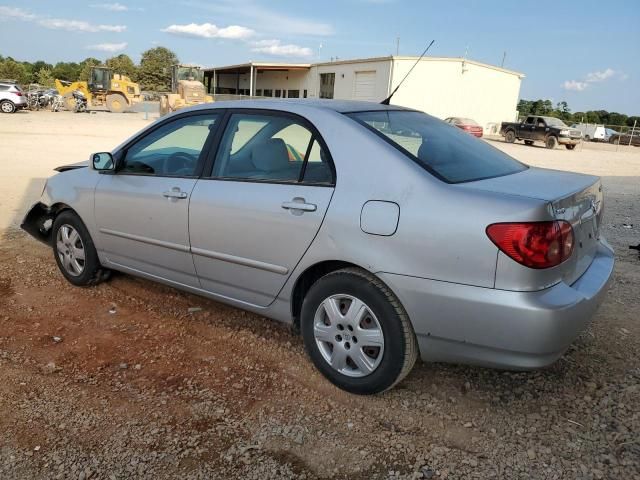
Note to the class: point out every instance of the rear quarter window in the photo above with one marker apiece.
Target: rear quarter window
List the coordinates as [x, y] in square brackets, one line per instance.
[447, 152]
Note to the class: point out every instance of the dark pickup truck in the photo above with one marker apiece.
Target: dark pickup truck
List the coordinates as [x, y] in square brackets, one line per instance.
[534, 128]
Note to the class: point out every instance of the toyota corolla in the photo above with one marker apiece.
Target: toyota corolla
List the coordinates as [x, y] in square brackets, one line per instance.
[381, 233]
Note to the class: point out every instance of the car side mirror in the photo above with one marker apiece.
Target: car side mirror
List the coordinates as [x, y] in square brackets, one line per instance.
[103, 162]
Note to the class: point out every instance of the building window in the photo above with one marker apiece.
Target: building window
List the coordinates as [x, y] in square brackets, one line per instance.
[293, 94]
[304, 93]
[327, 81]
[278, 93]
[258, 92]
[268, 92]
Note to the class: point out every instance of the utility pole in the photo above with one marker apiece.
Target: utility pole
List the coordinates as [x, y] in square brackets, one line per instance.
[504, 55]
[397, 46]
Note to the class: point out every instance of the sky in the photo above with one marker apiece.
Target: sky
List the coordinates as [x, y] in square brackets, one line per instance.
[586, 53]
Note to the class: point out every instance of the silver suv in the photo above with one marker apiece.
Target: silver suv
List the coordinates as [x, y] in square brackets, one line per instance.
[11, 97]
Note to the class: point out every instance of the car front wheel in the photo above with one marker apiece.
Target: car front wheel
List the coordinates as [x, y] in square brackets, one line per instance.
[551, 142]
[74, 251]
[357, 333]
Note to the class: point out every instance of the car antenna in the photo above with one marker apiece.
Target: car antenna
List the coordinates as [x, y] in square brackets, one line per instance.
[388, 99]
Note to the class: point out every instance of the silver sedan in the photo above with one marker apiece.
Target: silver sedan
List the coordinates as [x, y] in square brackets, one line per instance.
[380, 233]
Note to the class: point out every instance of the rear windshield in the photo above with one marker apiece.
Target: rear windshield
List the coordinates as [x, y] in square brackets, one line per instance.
[449, 153]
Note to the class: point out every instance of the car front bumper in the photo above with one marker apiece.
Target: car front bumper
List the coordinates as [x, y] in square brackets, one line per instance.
[568, 141]
[499, 328]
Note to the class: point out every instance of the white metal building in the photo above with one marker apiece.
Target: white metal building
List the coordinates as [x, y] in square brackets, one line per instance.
[443, 87]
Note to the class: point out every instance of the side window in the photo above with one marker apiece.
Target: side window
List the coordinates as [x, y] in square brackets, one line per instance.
[172, 150]
[318, 169]
[270, 148]
[541, 123]
[530, 120]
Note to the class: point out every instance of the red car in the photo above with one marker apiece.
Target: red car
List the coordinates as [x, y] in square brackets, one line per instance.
[466, 124]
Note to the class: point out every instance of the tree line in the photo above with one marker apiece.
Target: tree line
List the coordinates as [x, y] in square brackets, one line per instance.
[562, 111]
[153, 73]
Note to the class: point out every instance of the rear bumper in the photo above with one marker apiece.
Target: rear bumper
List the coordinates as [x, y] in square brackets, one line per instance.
[499, 328]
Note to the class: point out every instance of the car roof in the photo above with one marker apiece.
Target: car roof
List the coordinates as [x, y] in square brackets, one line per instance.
[341, 106]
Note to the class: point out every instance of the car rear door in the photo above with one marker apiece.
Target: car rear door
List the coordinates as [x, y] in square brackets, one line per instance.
[141, 211]
[254, 217]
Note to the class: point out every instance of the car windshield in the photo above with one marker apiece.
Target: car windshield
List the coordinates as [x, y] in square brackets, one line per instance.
[449, 153]
[190, 73]
[554, 122]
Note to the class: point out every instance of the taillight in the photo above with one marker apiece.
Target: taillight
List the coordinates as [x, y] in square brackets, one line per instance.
[534, 244]
[18, 93]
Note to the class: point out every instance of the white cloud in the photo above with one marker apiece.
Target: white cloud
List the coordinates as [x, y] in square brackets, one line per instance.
[574, 85]
[18, 13]
[276, 48]
[78, 25]
[209, 30]
[264, 18]
[57, 23]
[108, 47]
[600, 76]
[112, 7]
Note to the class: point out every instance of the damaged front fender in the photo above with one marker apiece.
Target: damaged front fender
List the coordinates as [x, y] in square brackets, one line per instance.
[38, 222]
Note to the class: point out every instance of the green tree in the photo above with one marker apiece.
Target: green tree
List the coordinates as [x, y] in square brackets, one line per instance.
[123, 65]
[12, 70]
[69, 71]
[45, 78]
[85, 68]
[155, 69]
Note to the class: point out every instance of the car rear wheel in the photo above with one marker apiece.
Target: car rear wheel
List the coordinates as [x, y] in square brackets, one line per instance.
[587, 138]
[528, 142]
[7, 106]
[510, 136]
[74, 251]
[551, 142]
[570, 147]
[357, 333]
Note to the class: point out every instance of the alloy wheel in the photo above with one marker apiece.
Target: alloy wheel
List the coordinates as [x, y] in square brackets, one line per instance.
[70, 250]
[348, 335]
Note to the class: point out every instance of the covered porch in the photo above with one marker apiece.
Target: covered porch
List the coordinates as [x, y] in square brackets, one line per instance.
[277, 80]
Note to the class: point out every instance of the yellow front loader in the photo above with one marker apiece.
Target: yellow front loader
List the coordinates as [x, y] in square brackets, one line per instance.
[187, 89]
[104, 89]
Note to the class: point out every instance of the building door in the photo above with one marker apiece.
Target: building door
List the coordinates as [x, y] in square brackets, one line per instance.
[364, 87]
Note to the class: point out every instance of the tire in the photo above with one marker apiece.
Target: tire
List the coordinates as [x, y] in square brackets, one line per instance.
[570, 147]
[69, 238]
[510, 136]
[551, 142]
[7, 106]
[392, 346]
[528, 142]
[116, 103]
[69, 102]
[587, 138]
[614, 140]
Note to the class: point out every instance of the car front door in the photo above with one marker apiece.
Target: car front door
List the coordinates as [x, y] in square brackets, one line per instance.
[252, 220]
[541, 129]
[141, 211]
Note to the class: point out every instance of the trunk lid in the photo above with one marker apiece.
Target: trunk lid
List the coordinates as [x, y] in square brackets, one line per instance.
[573, 197]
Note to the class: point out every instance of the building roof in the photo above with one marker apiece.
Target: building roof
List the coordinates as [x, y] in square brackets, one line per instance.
[244, 67]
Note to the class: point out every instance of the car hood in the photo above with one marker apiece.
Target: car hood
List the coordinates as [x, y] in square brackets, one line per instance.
[72, 166]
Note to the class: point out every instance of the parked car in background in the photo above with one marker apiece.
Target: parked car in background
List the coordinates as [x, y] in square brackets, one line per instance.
[591, 132]
[466, 124]
[608, 133]
[552, 131]
[632, 137]
[11, 97]
[450, 249]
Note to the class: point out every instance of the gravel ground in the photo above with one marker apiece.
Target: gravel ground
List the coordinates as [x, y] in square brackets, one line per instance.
[135, 380]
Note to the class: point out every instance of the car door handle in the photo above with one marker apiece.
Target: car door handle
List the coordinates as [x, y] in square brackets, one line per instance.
[299, 204]
[175, 194]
